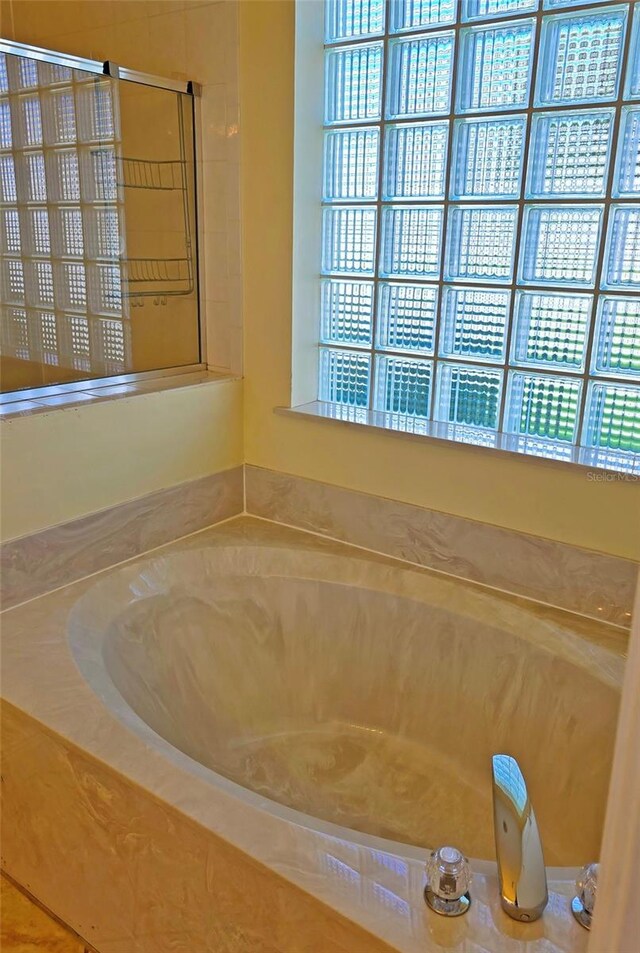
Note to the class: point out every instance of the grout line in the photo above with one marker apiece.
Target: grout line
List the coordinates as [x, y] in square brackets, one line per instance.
[73, 934]
[443, 572]
[244, 489]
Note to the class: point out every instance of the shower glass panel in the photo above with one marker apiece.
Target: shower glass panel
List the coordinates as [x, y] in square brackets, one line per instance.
[97, 226]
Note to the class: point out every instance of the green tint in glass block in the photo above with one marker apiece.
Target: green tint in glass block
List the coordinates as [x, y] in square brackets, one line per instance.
[468, 395]
[550, 329]
[403, 386]
[616, 347]
[346, 312]
[344, 377]
[542, 406]
[612, 417]
[473, 323]
[407, 316]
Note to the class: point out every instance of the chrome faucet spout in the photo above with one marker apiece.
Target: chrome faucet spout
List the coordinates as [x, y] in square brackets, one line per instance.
[521, 870]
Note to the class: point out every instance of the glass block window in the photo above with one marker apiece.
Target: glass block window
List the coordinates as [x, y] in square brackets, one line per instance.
[407, 317]
[347, 311]
[481, 241]
[411, 239]
[581, 56]
[481, 218]
[496, 67]
[345, 377]
[351, 164]
[474, 323]
[415, 161]
[488, 156]
[403, 385]
[571, 153]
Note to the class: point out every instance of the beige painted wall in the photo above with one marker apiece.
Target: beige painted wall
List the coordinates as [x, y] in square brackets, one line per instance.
[65, 464]
[535, 497]
[68, 463]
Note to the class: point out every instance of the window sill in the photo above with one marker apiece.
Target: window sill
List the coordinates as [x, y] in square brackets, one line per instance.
[80, 395]
[613, 465]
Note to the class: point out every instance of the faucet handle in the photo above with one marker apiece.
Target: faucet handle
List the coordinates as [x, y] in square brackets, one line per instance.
[583, 904]
[448, 879]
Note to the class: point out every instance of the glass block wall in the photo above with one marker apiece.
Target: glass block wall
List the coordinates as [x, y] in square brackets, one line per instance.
[61, 221]
[481, 216]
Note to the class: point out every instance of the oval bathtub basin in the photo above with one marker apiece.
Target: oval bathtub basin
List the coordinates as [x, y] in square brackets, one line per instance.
[365, 695]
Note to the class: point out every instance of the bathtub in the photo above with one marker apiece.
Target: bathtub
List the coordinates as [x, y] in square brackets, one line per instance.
[351, 699]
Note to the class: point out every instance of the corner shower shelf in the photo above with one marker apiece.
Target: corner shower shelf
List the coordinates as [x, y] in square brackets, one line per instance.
[151, 277]
[157, 277]
[165, 176]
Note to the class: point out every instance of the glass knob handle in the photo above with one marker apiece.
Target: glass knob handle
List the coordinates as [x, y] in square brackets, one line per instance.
[448, 880]
[584, 902]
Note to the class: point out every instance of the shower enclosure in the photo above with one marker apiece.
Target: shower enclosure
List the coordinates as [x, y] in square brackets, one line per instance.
[97, 221]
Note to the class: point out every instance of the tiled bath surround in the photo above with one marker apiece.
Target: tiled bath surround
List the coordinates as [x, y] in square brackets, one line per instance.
[580, 580]
[57, 556]
[594, 584]
[161, 837]
[157, 858]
